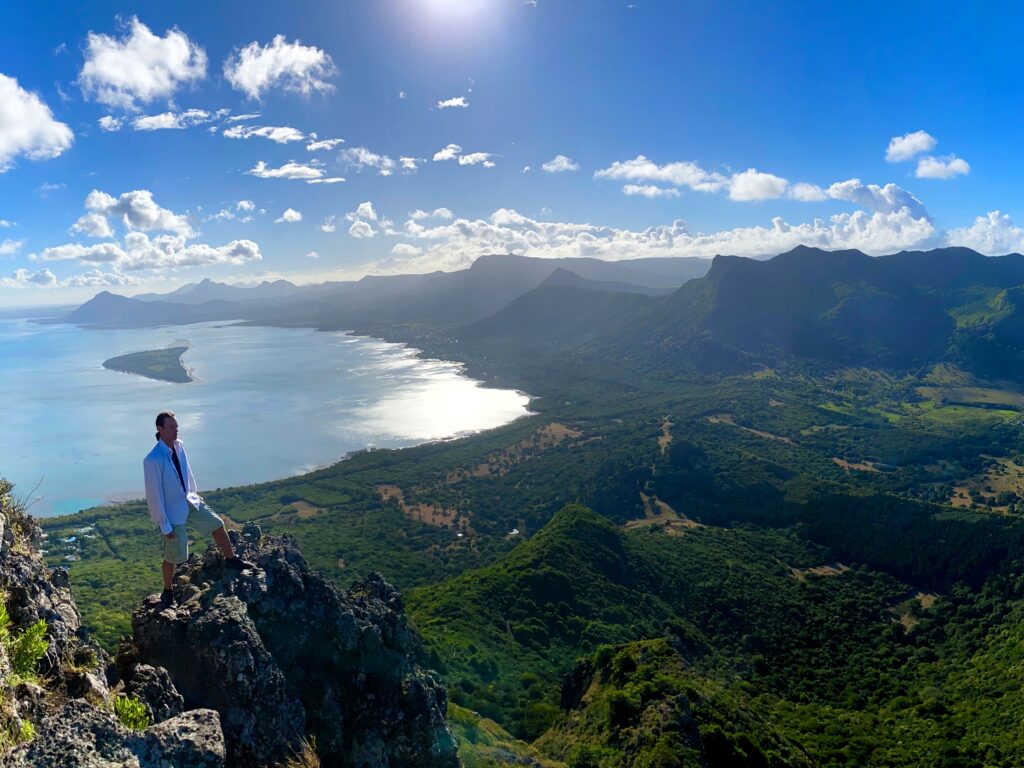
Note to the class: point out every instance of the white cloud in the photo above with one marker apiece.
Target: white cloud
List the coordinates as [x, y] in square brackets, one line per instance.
[941, 167]
[650, 190]
[477, 158]
[448, 153]
[458, 101]
[8, 247]
[27, 126]
[111, 124]
[161, 252]
[173, 120]
[140, 66]
[245, 205]
[437, 213]
[455, 244]
[329, 224]
[243, 118]
[316, 146]
[361, 230]
[909, 144]
[559, 164]
[290, 170]
[4, 223]
[406, 250]
[97, 278]
[44, 189]
[401, 94]
[327, 180]
[680, 174]
[279, 134]
[364, 211]
[752, 185]
[23, 278]
[92, 225]
[526, 169]
[994, 233]
[312, 255]
[409, 164]
[137, 210]
[807, 193]
[888, 199]
[361, 157]
[290, 216]
[293, 67]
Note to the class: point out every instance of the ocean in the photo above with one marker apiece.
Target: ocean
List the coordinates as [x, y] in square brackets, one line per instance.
[266, 403]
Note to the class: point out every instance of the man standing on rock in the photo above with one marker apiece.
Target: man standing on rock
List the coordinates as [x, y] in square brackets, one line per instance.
[174, 503]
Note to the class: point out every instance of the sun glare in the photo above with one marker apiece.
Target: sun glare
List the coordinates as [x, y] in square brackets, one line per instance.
[458, 8]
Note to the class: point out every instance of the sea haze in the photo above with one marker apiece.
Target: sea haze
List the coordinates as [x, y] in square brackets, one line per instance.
[266, 403]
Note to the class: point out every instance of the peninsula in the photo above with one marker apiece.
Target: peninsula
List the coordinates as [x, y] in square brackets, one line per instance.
[159, 364]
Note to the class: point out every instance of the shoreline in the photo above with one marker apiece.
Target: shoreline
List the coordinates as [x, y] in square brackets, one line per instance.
[461, 368]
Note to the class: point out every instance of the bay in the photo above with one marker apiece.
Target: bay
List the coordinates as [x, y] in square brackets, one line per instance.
[266, 403]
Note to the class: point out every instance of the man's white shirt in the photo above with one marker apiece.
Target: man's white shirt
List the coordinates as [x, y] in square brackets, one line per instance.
[167, 500]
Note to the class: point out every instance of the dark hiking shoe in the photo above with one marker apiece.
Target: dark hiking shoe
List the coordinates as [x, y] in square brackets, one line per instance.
[238, 564]
[167, 597]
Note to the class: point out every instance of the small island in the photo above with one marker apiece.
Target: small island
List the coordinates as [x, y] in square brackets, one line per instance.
[159, 364]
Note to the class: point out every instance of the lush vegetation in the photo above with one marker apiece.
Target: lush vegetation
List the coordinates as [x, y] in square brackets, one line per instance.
[789, 535]
[131, 712]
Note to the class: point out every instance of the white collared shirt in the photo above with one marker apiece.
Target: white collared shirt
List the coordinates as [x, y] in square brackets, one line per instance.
[167, 500]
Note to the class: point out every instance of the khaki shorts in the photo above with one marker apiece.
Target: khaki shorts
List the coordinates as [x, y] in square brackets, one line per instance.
[202, 519]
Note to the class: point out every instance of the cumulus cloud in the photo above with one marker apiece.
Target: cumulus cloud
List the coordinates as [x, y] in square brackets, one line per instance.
[649, 190]
[753, 185]
[312, 255]
[174, 120]
[97, 278]
[364, 211]
[361, 230]
[330, 224]
[316, 146]
[290, 170]
[560, 164]
[679, 174]
[361, 157]
[409, 164]
[455, 244]
[137, 210]
[477, 158]
[292, 67]
[807, 193]
[22, 278]
[458, 101]
[245, 205]
[437, 213]
[290, 216]
[92, 225]
[139, 251]
[139, 67]
[448, 153]
[27, 126]
[904, 147]
[111, 124]
[4, 223]
[941, 167]
[888, 199]
[993, 233]
[279, 134]
[406, 250]
[9, 247]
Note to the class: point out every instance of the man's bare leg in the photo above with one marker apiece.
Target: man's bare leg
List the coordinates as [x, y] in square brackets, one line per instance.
[168, 574]
[221, 537]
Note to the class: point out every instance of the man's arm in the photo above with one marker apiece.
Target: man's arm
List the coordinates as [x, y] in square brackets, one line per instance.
[155, 496]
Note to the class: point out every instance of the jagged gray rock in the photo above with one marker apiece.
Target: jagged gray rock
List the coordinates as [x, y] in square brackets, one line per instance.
[153, 687]
[281, 653]
[82, 736]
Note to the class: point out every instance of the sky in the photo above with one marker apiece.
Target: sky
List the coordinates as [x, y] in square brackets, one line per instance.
[145, 145]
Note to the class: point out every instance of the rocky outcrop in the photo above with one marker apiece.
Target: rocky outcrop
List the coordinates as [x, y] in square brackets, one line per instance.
[283, 655]
[81, 736]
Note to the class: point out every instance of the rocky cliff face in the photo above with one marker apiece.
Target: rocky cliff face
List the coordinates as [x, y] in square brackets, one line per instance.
[283, 655]
[245, 672]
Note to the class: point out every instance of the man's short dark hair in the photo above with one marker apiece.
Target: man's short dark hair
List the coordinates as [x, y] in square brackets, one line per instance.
[161, 418]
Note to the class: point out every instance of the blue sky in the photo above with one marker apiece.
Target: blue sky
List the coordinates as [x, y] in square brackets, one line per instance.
[648, 129]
